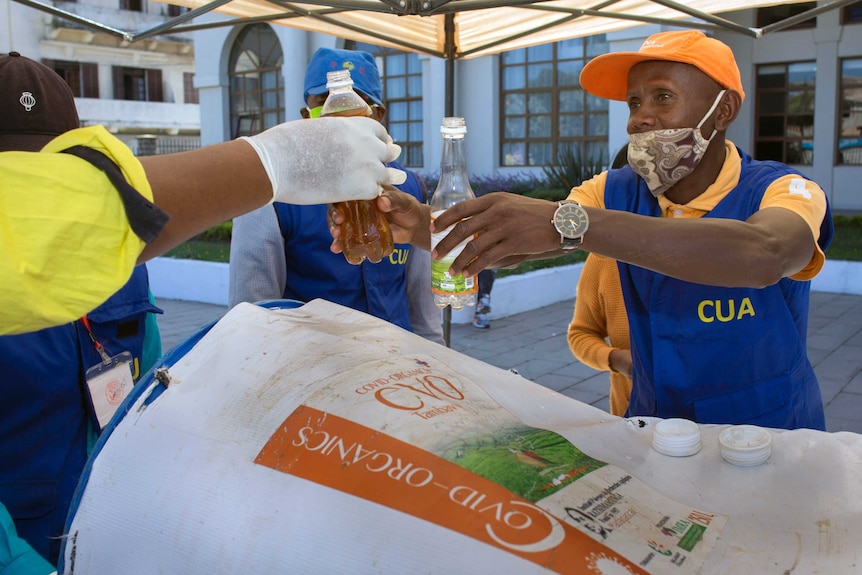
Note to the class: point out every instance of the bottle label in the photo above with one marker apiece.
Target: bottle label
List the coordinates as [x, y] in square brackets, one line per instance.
[365, 232]
[441, 282]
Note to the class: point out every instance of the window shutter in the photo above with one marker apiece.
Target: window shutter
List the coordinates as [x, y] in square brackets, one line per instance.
[154, 86]
[90, 76]
[119, 91]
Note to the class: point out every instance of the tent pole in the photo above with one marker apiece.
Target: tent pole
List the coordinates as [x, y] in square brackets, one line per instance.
[450, 49]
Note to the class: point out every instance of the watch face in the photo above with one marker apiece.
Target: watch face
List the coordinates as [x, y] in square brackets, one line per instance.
[571, 220]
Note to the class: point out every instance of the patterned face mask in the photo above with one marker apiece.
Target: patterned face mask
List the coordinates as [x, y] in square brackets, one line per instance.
[664, 157]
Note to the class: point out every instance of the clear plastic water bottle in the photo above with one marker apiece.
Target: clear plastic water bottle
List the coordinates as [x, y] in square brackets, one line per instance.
[365, 231]
[453, 187]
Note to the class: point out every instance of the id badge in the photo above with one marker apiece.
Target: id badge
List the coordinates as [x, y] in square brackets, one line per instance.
[109, 382]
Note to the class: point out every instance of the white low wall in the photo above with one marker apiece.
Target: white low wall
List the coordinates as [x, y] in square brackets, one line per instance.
[189, 280]
[207, 282]
[525, 292]
[839, 277]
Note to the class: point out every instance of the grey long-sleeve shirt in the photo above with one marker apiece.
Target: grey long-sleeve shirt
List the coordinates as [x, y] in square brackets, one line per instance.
[258, 271]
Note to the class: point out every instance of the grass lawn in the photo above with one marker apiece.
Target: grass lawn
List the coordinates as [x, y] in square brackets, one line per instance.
[847, 243]
[198, 249]
[215, 247]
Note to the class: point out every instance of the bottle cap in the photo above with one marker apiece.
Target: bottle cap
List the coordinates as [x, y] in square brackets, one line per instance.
[338, 79]
[453, 125]
[745, 445]
[676, 437]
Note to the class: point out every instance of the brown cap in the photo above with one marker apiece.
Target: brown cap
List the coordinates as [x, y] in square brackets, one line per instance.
[607, 75]
[37, 104]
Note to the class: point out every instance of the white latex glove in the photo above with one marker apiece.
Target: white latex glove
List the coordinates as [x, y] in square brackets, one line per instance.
[326, 162]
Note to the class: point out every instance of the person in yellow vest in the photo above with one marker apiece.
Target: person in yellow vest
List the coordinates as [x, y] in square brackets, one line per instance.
[80, 211]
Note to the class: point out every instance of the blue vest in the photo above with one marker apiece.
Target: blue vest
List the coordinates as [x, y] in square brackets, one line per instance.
[714, 354]
[315, 272]
[45, 413]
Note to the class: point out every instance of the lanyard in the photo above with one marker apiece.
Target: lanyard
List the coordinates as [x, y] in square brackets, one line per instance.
[108, 382]
[96, 343]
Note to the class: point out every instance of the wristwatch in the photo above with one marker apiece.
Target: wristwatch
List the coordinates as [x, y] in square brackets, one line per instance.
[571, 221]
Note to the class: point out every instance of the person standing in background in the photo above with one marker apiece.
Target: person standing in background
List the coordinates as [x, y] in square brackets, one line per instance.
[282, 250]
[598, 334]
[483, 303]
[47, 424]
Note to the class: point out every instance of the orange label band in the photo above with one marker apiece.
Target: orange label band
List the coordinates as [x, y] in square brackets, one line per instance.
[366, 463]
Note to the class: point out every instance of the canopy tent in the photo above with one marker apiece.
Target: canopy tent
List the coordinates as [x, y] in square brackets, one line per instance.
[458, 29]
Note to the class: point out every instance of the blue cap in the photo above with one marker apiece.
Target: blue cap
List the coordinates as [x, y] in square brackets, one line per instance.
[363, 72]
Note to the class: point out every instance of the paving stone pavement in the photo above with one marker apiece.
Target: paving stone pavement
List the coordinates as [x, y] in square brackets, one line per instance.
[534, 343]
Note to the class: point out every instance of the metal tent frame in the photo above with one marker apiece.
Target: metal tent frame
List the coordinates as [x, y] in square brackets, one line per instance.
[322, 15]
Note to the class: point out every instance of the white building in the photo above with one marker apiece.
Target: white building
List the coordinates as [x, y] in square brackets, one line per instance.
[137, 90]
[803, 95]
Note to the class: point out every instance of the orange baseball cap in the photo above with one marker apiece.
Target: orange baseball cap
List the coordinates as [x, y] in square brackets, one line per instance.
[607, 75]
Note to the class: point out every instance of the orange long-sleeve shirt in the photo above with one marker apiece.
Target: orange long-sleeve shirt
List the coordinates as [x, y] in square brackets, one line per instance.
[600, 318]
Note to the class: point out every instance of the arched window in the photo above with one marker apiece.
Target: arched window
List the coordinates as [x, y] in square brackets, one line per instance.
[256, 87]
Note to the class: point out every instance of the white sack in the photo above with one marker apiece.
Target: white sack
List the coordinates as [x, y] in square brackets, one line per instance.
[323, 440]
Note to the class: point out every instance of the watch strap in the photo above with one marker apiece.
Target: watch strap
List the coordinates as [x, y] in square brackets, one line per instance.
[570, 243]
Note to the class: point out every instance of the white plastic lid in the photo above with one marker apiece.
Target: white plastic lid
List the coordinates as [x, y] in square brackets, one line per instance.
[338, 79]
[745, 445]
[676, 437]
[453, 125]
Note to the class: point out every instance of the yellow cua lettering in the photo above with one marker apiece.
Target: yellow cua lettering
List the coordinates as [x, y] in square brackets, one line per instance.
[745, 308]
[701, 311]
[729, 316]
[398, 256]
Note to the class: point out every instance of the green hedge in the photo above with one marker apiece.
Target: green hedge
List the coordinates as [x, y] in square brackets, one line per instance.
[847, 242]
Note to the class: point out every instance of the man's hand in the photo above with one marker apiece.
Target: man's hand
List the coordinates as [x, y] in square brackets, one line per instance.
[408, 219]
[325, 162]
[620, 361]
[507, 227]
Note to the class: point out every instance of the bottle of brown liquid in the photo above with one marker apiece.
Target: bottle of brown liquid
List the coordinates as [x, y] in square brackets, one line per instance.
[365, 231]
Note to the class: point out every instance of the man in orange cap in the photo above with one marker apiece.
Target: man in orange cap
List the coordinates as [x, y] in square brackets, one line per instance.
[715, 250]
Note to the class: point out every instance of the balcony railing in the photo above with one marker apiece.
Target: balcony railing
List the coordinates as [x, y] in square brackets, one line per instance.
[155, 145]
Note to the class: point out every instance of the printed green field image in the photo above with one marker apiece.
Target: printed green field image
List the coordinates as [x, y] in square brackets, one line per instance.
[532, 463]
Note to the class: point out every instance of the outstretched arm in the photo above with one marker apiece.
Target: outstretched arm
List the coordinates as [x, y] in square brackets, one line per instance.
[773, 243]
[296, 162]
[203, 188]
